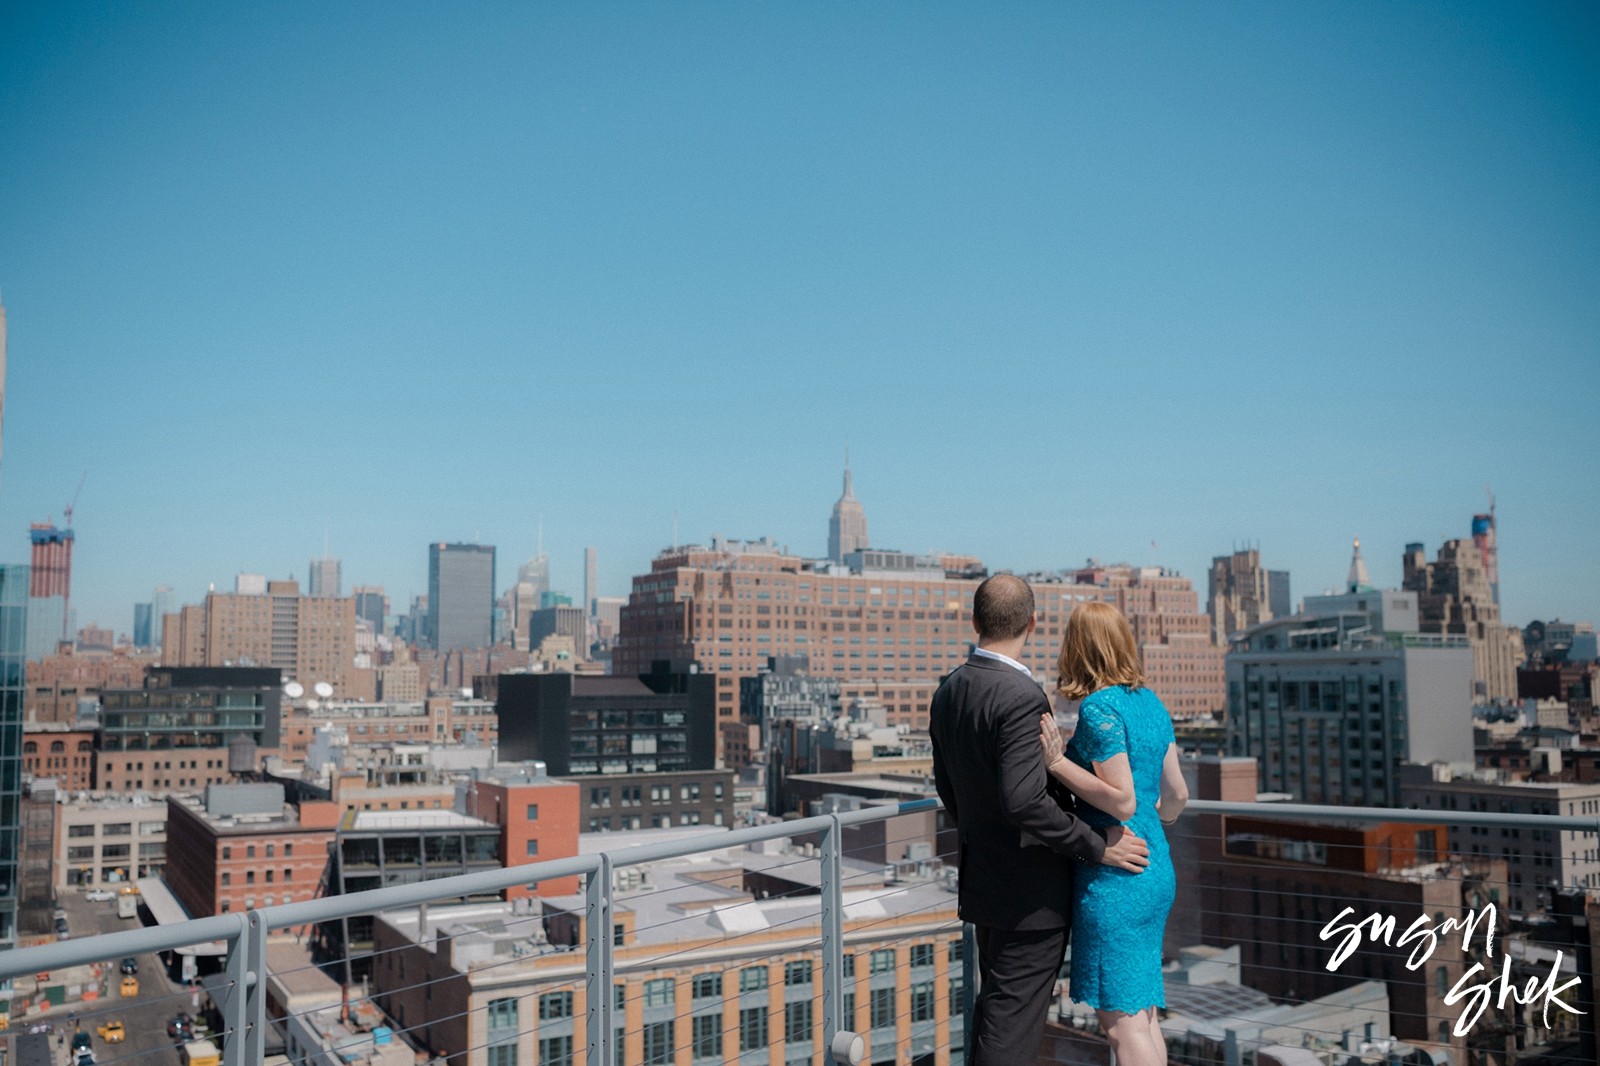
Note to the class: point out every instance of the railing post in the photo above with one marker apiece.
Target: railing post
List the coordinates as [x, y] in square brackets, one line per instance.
[244, 999]
[969, 982]
[832, 932]
[598, 965]
[845, 1047]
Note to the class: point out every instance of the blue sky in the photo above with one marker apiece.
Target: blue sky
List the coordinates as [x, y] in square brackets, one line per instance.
[1067, 279]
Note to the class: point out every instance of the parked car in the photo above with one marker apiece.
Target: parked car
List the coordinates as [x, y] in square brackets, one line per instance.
[99, 895]
[180, 1027]
[130, 965]
[85, 1058]
[113, 1033]
[80, 1041]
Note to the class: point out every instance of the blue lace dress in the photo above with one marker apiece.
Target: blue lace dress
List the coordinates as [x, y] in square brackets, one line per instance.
[1118, 918]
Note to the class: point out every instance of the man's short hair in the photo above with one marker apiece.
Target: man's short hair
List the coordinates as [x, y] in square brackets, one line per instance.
[1002, 607]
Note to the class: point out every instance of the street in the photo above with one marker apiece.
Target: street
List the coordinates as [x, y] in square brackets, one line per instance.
[144, 1017]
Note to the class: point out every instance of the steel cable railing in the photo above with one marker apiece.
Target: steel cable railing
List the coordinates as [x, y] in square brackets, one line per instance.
[1289, 907]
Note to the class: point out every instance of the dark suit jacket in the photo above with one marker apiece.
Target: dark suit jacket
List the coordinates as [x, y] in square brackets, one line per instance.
[1018, 835]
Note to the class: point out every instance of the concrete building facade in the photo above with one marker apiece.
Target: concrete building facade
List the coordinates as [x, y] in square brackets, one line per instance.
[1331, 712]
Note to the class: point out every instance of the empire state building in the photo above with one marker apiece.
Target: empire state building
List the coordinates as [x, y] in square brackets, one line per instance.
[847, 528]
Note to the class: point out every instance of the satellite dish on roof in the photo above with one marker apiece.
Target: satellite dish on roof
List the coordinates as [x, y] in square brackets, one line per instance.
[294, 690]
[323, 689]
[312, 704]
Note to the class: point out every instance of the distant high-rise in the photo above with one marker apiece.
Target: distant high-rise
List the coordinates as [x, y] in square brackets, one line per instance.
[535, 572]
[847, 527]
[141, 625]
[309, 638]
[1456, 594]
[324, 577]
[461, 596]
[1243, 595]
[49, 588]
[589, 589]
[161, 605]
[372, 605]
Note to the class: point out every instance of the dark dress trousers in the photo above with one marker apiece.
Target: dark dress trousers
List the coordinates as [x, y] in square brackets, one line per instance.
[1018, 840]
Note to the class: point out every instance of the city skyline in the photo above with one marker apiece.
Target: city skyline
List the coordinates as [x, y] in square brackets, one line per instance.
[1067, 282]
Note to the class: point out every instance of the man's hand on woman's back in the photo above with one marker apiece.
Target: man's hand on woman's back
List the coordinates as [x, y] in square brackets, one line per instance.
[1125, 851]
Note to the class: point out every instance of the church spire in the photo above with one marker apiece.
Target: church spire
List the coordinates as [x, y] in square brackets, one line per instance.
[1357, 580]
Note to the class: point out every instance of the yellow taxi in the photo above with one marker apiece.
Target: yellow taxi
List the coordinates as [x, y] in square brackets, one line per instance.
[130, 986]
[112, 1032]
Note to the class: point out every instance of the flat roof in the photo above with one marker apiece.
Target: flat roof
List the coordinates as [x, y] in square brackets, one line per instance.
[441, 819]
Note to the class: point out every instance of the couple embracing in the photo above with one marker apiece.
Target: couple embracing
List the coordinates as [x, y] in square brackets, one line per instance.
[1059, 842]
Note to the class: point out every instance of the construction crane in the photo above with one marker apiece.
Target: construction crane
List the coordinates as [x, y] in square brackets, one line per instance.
[75, 496]
[66, 601]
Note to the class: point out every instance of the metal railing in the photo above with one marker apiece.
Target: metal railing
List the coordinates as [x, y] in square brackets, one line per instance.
[240, 993]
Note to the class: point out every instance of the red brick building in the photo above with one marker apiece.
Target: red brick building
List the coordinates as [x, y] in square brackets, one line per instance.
[243, 847]
[538, 819]
[58, 751]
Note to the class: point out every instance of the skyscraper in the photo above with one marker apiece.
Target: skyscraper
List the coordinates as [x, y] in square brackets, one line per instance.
[1457, 594]
[371, 604]
[324, 576]
[161, 605]
[1243, 595]
[589, 589]
[461, 595]
[847, 528]
[141, 625]
[49, 588]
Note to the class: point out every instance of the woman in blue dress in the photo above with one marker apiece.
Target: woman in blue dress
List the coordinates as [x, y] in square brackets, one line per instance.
[1122, 763]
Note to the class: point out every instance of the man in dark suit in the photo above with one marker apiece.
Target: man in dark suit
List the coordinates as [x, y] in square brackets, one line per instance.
[1018, 835]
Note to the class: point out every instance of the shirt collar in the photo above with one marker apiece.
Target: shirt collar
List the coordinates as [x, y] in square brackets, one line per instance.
[1008, 660]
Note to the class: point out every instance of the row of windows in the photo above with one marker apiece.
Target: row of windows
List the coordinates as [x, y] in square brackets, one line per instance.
[250, 876]
[250, 851]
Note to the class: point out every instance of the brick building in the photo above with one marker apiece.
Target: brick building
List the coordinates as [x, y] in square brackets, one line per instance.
[59, 751]
[308, 638]
[244, 847]
[890, 618]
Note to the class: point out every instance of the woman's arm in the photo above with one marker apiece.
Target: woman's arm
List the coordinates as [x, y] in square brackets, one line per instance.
[1174, 790]
[1109, 788]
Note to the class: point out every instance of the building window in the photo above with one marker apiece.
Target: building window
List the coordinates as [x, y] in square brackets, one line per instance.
[883, 1008]
[797, 1021]
[797, 973]
[227, 852]
[708, 986]
[922, 1001]
[659, 993]
[753, 979]
[249, 877]
[883, 961]
[921, 954]
[533, 812]
[533, 848]
[502, 1055]
[555, 1051]
[554, 1005]
[707, 1036]
[227, 879]
[658, 1049]
[753, 1029]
